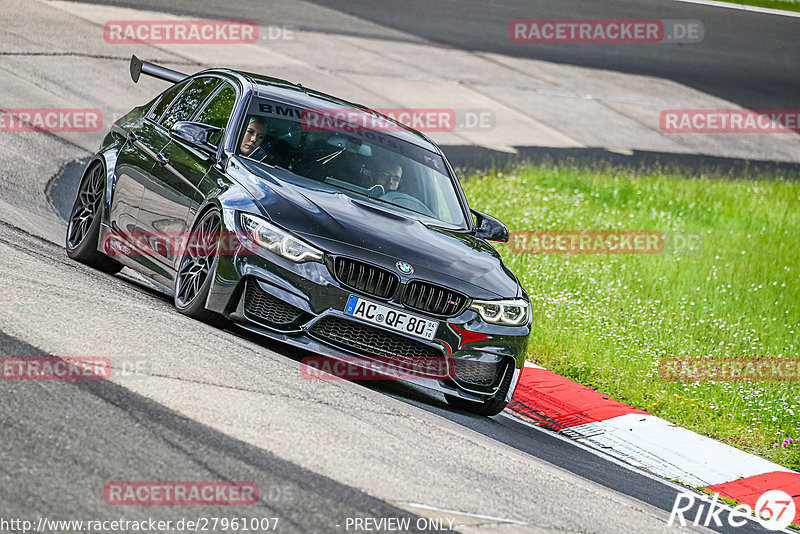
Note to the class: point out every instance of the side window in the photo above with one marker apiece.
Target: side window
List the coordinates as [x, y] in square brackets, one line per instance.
[218, 110]
[166, 99]
[187, 103]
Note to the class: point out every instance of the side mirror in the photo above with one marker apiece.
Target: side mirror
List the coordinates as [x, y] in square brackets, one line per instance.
[197, 135]
[490, 228]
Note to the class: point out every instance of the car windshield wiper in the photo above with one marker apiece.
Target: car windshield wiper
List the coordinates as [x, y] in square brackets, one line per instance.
[324, 160]
[379, 199]
[274, 166]
[306, 167]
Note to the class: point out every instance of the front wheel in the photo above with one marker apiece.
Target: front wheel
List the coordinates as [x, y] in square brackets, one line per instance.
[195, 271]
[83, 230]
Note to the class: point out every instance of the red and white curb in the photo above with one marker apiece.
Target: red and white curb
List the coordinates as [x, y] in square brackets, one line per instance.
[646, 441]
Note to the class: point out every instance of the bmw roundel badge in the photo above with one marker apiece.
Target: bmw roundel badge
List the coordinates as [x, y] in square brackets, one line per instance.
[404, 267]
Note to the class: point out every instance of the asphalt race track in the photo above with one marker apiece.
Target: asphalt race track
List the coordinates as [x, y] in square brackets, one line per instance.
[224, 405]
[748, 58]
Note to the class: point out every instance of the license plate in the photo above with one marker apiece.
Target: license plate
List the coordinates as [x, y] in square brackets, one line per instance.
[376, 313]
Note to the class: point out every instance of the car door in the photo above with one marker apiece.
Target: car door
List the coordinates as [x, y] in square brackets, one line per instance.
[173, 187]
[216, 112]
[135, 162]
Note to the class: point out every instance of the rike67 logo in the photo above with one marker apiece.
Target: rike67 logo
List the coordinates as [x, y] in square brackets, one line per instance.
[774, 510]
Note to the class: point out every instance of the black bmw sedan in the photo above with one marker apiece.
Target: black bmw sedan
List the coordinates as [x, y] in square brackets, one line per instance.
[312, 221]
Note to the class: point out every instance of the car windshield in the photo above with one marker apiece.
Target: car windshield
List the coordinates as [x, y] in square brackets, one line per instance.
[361, 161]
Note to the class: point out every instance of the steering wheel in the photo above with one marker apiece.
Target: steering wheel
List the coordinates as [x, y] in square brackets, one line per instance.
[407, 201]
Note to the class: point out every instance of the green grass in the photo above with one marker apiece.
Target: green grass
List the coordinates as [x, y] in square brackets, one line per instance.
[607, 320]
[786, 5]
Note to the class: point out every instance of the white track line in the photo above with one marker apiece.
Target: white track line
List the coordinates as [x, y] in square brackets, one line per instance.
[742, 7]
[456, 512]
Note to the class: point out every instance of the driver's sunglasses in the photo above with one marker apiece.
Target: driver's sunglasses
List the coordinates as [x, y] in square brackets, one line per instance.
[391, 177]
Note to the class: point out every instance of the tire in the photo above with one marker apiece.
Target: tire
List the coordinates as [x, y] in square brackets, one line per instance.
[490, 407]
[83, 228]
[196, 269]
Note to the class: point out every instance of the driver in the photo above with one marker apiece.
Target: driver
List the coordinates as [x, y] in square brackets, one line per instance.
[253, 137]
[389, 175]
[387, 178]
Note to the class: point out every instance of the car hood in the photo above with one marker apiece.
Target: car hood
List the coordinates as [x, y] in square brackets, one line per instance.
[348, 225]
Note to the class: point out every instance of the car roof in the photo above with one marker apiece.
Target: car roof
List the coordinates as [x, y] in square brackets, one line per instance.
[303, 97]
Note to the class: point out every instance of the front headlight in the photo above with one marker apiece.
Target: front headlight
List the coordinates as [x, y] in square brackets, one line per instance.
[277, 240]
[506, 312]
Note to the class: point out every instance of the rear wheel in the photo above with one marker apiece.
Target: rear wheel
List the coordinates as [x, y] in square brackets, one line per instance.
[195, 271]
[490, 407]
[83, 230]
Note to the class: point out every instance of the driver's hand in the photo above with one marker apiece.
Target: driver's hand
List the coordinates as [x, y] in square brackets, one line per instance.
[376, 191]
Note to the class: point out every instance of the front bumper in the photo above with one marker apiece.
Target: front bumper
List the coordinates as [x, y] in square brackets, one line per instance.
[302, 305]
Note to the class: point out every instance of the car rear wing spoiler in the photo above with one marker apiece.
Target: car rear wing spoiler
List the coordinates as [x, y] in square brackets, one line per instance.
[139, 67]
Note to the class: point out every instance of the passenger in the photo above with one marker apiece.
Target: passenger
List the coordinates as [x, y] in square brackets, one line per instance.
[253, 137]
